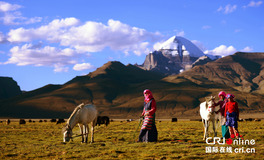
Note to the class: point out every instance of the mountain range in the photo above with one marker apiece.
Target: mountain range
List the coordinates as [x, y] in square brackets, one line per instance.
[117, 90]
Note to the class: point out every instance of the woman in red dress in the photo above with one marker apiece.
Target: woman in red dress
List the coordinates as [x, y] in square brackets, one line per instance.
[148, 132]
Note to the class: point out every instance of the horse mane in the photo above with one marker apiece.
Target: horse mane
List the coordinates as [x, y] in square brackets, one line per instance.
[75, 110]
[207, 99]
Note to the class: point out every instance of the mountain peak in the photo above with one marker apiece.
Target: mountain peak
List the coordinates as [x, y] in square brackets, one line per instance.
[175, 55]
[107, 67]
[181, 46]
[112, 65]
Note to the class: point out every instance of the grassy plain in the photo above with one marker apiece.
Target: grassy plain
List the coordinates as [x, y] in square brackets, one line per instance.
[177, 140]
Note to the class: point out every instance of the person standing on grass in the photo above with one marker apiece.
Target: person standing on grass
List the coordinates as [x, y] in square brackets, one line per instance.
[222, 102]
[232, 115]
[148, 132]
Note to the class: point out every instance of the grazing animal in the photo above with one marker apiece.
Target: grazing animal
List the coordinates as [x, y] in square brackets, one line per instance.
[102, 120]
[174, 120]
[249, 119]
[257, 120]
[60, 121]
[82, 115]
[207, 113]
[8, 121]
[53, 120]
[22, 121]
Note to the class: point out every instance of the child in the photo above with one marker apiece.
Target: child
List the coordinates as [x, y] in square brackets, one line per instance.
[232, 115]
[222, 102]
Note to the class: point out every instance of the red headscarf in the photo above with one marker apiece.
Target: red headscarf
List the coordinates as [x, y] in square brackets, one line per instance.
[148, 95]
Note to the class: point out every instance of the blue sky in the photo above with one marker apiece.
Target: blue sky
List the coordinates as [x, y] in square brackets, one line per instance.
[52, 41]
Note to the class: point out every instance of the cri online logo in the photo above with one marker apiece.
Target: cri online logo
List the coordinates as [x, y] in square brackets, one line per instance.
[215, 139]
[229, 141]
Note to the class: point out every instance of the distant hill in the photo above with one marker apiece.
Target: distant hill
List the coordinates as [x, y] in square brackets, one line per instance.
[241, 71]
[116, 90]
[100, 87]
[8, 88]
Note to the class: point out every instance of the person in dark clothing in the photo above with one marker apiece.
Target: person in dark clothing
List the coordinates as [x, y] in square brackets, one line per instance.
[148, 132]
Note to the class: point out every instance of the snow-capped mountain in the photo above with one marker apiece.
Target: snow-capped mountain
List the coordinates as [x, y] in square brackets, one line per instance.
[175, 55]
[181, 46]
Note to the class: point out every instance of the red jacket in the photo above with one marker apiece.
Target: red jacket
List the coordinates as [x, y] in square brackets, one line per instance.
[231, 107]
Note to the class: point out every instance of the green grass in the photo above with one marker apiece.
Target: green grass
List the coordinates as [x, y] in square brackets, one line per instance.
[177, 140]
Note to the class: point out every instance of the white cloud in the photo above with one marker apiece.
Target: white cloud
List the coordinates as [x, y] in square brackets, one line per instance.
[30, 54]
[94, 37]
[60, 68]
[227, 9]
[89, 37]
[32, 20]
[2, 38]
[222, 50]
[253, 4]
[5, 7]
[82, 66]
[10, 15]
[78, 39]
[206, 27]
[247, 49]
[51, 32]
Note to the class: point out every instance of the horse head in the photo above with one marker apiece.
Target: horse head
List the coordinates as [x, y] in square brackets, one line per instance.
[67, 133]
[210, 104]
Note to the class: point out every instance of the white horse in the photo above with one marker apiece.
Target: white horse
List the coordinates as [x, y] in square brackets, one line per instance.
[83, 115]
[207, 113]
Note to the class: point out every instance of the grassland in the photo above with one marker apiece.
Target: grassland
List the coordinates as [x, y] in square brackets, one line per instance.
[177, 140]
